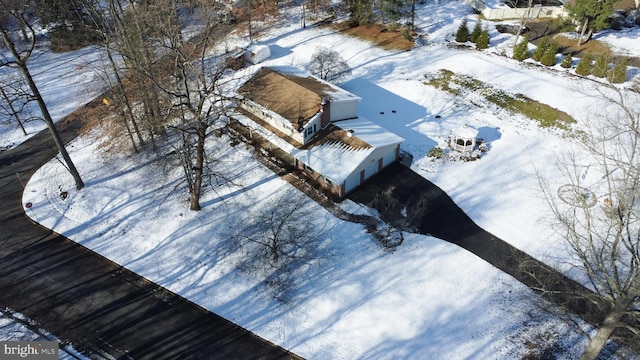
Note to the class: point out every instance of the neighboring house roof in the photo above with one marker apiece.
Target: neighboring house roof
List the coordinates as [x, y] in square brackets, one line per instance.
[337, 155]
[291, 94]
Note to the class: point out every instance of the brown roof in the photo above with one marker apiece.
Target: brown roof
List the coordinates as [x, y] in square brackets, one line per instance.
[334, 134]
[292, 97]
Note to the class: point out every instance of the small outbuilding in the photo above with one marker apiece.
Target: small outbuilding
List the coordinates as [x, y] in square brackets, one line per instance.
[464, 138]
[256, 54]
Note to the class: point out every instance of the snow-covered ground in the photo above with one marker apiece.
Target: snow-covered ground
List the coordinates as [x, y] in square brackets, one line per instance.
[13, 328]
[66, 81]
[427, 298]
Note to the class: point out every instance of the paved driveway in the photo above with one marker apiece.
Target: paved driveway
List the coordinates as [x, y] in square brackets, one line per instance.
[397, 190]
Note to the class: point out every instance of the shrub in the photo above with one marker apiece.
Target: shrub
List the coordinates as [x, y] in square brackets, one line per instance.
[618, 74]
[601, 66]
[462, 35]
[584, 65]
[539, 51]
[549, 56]
[482, 42]
[435, 152]
[521, 51]
[406, 34]
[475, 34]
[567, 61]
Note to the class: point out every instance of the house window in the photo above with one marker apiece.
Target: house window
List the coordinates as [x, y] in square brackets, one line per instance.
[329, 182]
[308, 168]
[309, 131]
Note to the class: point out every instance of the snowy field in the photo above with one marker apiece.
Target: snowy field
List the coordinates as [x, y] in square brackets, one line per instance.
[427, 298]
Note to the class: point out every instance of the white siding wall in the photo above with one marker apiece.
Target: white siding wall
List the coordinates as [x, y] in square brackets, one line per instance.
[344, 110]
[274, 120]
[352, 182]
[511, 13]
[370, 165]
[314, 121]
[389, 157]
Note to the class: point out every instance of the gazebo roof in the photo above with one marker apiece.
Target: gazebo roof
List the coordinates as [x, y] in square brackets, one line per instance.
[466, 132]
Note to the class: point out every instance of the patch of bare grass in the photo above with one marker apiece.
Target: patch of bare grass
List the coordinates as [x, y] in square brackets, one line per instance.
[570, 45]
[378, 35]
[545, 115]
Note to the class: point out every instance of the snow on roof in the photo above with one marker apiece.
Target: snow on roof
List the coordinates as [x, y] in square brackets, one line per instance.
[337, 160]
[370, 132]
[466, 132]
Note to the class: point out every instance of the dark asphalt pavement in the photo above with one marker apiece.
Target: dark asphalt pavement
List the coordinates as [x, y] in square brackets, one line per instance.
[398, 191]
[84, 298]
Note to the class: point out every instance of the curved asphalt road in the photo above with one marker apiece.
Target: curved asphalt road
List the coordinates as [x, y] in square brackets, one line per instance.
[84, 298]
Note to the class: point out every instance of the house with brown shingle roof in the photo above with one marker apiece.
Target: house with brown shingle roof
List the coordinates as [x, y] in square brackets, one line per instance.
[317, 123]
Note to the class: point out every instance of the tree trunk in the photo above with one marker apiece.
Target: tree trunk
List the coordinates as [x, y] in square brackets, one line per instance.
[52, 127]
[126, 100]
[610, 323]
[584, 29]
[198, 168]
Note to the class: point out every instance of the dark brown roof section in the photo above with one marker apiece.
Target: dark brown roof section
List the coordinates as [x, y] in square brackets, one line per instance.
[292, 97]
[335, 134]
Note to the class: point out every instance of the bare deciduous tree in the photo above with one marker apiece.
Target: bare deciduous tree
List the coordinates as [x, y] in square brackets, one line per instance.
[14, 101]
[19, 21]
[328, 65]
[600, 220]
[284, 231]
[191, 79]
[524, 18]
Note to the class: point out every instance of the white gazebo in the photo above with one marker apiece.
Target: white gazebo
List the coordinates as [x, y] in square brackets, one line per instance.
[464, 138]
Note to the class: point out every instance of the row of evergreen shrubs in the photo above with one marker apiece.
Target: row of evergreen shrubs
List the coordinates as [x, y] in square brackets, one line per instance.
[546, 52]
[479, 35]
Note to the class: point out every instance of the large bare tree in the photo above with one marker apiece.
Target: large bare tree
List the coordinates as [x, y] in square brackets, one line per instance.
[16, 19]
[599, 217]
[188, 75]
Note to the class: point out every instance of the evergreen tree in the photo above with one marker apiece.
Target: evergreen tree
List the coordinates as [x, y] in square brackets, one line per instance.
[592, 15]
[601, 66]
[566, 61]
[70, 24]
[539, 51]
[394, 10]
[360, 12]
[584, 65]
[618, 74]
[549, 56]
[462, 35]
[521, 51]
[483, 40]
[475, 34]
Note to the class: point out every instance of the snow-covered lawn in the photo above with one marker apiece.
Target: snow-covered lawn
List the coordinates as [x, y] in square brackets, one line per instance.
[66, 81]
[427, 298]
[13, 328]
